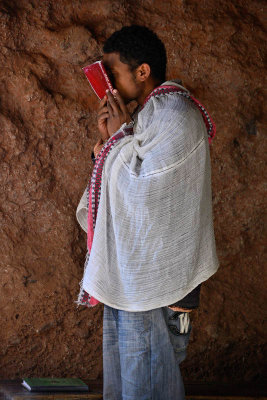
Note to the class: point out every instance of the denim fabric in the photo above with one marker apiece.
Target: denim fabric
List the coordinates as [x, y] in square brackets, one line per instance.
[141, 354]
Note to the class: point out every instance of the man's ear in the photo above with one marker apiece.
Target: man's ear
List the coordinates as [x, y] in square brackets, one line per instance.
[143, 72]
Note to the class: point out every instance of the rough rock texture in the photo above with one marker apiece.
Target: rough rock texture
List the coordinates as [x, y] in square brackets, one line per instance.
[47, 120]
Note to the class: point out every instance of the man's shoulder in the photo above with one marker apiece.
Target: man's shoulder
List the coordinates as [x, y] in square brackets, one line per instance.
[168, 100]
[170, 94]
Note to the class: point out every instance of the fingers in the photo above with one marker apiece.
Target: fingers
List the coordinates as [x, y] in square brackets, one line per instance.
[118, 106]
[119, 100]
[102, 110]
[103, 116]
[110, 109]
[103, 113]
[102, 102]
[112, 103]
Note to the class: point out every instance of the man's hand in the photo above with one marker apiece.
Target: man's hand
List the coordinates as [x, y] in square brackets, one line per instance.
[117, 110]
[102, 117]
[111, 115]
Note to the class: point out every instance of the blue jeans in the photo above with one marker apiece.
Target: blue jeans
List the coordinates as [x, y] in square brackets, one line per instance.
[142, 352]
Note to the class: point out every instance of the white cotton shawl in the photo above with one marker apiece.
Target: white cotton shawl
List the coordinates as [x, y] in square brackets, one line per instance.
[154, 236]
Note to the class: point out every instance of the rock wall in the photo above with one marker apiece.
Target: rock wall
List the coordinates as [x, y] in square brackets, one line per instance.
[48, 129]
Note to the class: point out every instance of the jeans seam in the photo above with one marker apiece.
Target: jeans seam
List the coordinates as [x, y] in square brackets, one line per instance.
[115, 314]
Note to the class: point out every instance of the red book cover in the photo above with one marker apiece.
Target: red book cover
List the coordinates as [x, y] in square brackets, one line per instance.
[98, 78]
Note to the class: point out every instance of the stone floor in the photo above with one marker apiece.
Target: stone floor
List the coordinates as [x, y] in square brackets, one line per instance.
[13, 390]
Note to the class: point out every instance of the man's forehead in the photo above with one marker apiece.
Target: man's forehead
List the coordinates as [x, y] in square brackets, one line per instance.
[112, 59]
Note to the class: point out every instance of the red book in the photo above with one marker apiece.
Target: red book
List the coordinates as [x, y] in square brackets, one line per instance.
[98, 78]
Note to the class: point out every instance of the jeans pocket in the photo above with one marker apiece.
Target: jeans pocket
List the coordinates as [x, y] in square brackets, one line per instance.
[179, 328]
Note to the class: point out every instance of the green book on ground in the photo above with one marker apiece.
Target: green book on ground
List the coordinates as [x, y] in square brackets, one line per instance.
[54, 384]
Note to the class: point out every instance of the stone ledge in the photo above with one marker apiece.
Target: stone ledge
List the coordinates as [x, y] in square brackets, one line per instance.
[13, 390]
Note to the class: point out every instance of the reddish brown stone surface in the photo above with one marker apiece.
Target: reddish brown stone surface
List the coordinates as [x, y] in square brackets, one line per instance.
[47, 121]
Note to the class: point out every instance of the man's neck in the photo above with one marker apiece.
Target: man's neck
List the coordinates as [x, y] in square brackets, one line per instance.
[148, 88]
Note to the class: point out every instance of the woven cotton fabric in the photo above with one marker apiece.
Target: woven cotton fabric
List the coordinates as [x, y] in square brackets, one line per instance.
[154, 238]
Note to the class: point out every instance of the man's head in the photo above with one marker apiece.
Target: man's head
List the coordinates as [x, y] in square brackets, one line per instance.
[137, 60]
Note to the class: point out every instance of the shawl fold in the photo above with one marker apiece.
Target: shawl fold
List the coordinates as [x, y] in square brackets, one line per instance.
[153, 239]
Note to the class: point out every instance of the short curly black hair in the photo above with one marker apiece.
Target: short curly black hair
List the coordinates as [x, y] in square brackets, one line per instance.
[136, 45]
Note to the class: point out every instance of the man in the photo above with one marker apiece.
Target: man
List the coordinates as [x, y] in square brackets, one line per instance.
[148, 213]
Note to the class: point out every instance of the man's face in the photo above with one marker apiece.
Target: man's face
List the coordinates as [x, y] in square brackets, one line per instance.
[124, 79]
